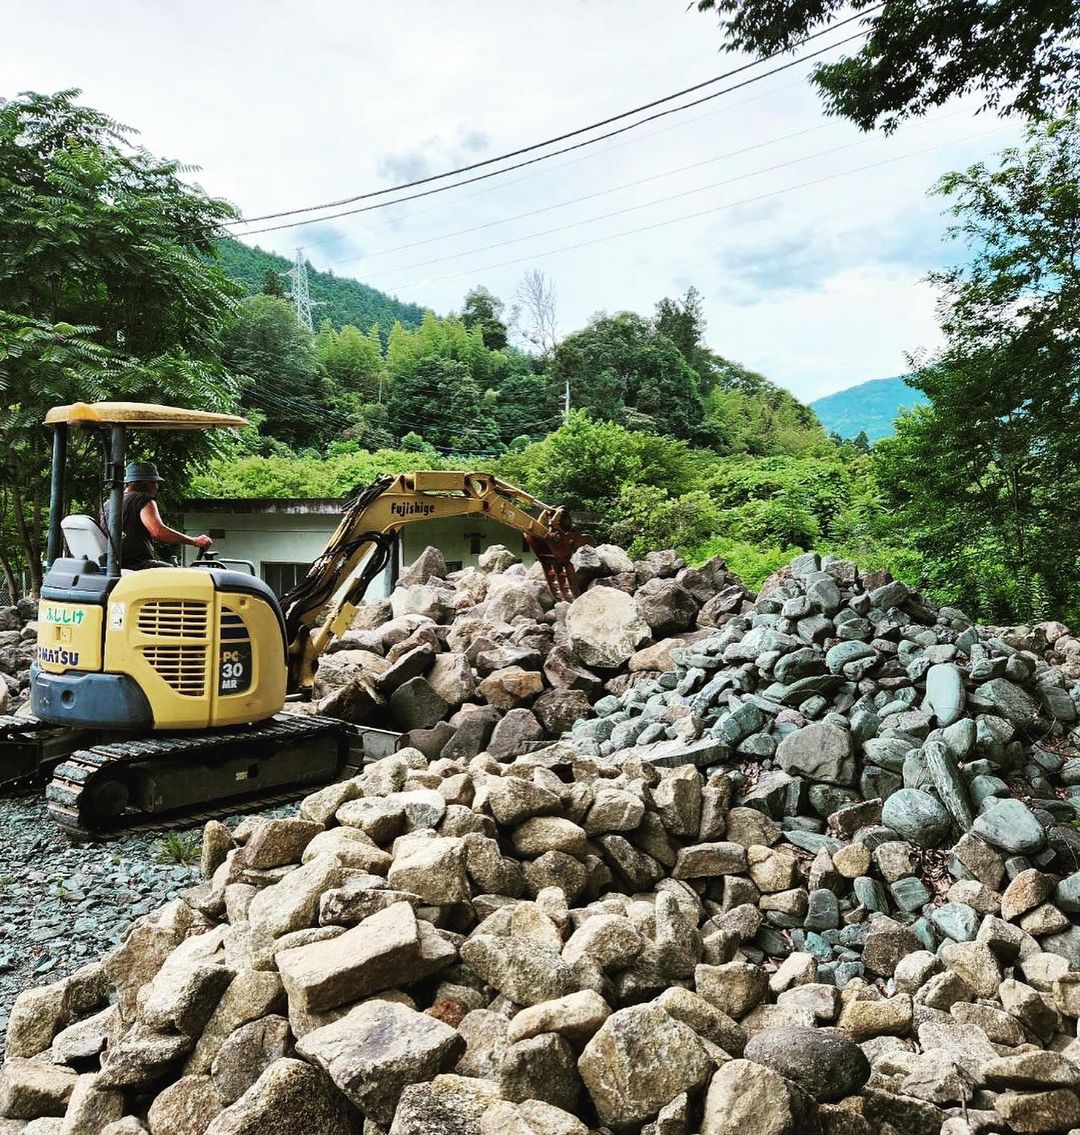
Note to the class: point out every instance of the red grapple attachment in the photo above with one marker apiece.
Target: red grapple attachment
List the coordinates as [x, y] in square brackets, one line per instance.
[554, 552]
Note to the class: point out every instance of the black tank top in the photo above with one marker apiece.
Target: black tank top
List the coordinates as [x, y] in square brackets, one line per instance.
[136, 547]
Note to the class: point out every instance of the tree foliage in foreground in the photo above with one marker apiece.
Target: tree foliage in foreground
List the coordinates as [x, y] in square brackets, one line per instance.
[1017, 56]
[107, 290]
[986, 475]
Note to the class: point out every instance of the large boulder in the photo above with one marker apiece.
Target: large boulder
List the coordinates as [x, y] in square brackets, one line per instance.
[377, 1049]
[289, 1098]
[604, 627]
[825, 1065]
[666, 606]
[639, 1061]
[384, 950]
[821, 752]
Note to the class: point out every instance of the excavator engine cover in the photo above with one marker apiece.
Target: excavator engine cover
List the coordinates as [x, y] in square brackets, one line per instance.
[164, 648]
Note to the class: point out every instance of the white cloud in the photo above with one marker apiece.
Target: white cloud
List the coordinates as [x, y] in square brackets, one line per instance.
[281, 105]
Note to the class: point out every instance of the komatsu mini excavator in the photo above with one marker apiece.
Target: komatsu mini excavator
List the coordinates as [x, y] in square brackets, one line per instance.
[159, 691]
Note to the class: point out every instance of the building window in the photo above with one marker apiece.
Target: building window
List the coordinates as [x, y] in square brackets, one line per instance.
[283, 577]
[476, 543]
[453, 565]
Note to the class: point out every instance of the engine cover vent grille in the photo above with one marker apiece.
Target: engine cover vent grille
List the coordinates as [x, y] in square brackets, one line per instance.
[174, 618]
[183, 668]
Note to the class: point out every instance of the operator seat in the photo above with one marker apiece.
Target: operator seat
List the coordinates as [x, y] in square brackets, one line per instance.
[86, 538]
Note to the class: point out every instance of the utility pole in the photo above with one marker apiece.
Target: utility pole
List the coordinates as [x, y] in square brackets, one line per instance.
[566, 402]
[298, 274]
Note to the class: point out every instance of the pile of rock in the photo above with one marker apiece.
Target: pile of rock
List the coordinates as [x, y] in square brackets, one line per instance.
[839, 693]
[820, 877]
[484, 660]
[18, 637]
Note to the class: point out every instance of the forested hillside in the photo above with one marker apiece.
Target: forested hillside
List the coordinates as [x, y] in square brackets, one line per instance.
[341, 300]
[871, 408]
[668, 442]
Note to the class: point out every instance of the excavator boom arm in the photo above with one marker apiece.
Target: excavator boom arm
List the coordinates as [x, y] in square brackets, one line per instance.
[323, 604]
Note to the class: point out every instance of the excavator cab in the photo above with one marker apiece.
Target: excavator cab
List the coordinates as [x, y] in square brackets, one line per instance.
[163, 648]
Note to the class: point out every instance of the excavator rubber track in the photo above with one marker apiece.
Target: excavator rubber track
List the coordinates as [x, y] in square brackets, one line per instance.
[156, 780]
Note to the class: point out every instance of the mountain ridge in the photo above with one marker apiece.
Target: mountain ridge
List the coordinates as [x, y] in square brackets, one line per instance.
[871, 407]
[340, 299]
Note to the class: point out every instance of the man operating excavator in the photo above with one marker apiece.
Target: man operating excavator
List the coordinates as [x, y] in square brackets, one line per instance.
[141, 523]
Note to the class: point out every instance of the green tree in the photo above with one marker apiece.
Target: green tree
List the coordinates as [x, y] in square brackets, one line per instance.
[441, 338]
[1017, 56]
[683, 322]
[650, 517]
[621, 368]
[352, 360]
[985, 476]
[438, 398]
[586, 464]
[108, 288]
[279, 373]
[484, 310]
[526, 403]
[271, 285]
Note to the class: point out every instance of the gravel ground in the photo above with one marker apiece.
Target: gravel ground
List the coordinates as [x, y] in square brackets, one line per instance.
[63, 904]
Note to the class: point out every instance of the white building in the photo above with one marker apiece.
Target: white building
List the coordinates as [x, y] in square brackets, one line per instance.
[280, 538]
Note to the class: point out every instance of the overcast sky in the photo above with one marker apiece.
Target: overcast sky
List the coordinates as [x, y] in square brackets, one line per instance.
[818, 286]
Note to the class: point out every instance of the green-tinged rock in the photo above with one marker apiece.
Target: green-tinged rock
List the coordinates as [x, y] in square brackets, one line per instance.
[1011, 826]
[910, 894]
[945, 773]
[1008, 700]
[916, 816]
[956, 920]
[945, 692]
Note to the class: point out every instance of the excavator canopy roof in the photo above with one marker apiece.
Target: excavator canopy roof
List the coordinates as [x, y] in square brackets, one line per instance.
[140, 415]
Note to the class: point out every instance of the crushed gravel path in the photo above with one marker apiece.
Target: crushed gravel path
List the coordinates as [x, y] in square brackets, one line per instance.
[63, 904]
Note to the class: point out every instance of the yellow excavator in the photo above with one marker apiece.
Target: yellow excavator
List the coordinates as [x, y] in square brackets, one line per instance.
[160, 690]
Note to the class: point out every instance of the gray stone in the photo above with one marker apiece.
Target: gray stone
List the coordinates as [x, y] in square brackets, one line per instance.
[377, 1049]
[247, 1053]
[289, 1098]
[525, 971]
[605, 627]
[825, 1065]
[745, 1097]
[1008, 700]
[416, 705]
[821, 751]
[449, 1104]
[640, 1060]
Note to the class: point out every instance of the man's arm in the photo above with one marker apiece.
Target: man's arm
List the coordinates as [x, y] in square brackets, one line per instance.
[160, 531]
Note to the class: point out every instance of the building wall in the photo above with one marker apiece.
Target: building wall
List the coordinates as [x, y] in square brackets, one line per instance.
[296, 537]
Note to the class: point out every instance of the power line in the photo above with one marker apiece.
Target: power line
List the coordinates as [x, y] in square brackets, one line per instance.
[700, 213]
[554, 153]
[577, 200]
[579, 130]
[633, 208]
[338, 238]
